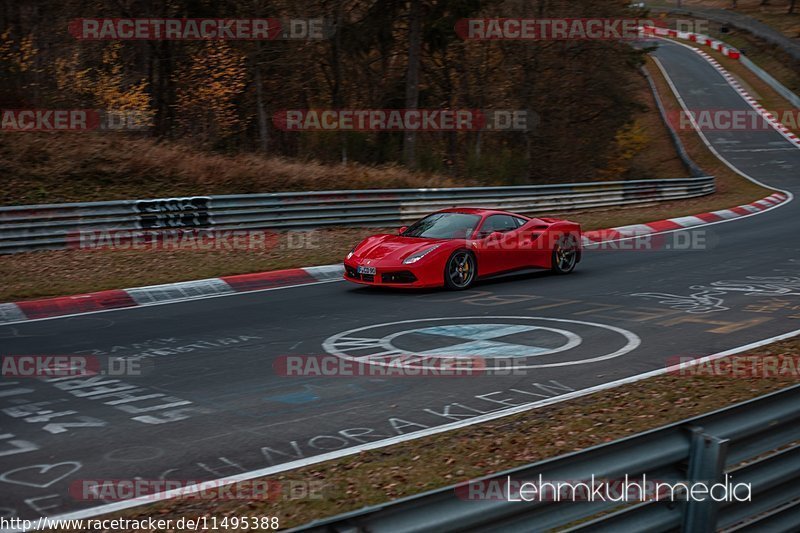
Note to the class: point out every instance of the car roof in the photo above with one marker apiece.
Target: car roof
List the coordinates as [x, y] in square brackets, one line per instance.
[480, 211]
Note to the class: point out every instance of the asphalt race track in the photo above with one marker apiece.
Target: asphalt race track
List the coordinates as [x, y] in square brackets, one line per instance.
[210, 403]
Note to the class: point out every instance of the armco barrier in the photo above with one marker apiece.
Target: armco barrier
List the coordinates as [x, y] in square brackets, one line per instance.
[731, 52]
[737, 20]
[754, 442]
[772, 82]
[56, 226]
[698, 38]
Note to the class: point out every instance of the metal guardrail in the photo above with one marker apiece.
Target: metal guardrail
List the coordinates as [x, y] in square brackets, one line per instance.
[777, 86]
[754, 27]
[737, 20]
[56, 226]
[753, 442]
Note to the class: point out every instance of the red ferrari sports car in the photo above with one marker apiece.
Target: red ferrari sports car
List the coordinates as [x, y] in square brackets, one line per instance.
[454, 247]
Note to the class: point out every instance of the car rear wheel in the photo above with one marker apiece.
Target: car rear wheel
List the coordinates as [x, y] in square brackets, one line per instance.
[565, 255]
[460, 271]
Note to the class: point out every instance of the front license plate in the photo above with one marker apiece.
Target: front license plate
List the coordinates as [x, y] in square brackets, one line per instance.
[366, 270]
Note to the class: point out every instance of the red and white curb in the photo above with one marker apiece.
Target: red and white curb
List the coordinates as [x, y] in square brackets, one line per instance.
[769, 117]
[698, 38]
[204, 288]
[671, 224]
[733, 53]
[170, 292]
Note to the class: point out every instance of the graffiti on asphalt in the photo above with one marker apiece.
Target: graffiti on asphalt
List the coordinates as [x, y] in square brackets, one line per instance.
[708, 298]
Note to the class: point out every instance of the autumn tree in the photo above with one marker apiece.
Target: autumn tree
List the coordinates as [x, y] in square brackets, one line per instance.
[209, 86]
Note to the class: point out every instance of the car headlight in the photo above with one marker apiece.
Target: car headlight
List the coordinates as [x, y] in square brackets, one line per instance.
[416, 256]
[349, 255]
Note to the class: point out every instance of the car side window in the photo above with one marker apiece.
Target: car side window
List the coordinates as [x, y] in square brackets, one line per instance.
[501, 223]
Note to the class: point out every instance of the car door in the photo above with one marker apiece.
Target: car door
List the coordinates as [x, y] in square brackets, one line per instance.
[535, 247]
[498, 249]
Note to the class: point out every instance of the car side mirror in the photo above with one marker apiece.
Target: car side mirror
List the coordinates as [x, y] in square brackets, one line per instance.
[495, 236]
[402, 230]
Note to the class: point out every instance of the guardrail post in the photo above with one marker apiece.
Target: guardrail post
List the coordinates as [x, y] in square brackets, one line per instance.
[706, 464]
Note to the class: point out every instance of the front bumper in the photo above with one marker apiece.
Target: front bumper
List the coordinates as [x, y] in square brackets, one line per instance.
[399, 276]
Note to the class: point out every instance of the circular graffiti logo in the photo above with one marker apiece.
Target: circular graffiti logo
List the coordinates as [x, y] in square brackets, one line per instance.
[528, 342]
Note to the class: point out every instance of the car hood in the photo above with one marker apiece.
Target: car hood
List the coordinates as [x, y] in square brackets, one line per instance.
[391, 247]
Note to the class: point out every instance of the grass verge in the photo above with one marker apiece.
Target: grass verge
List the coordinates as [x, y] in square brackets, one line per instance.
[82, 167]
[74, 167]
[428, 463]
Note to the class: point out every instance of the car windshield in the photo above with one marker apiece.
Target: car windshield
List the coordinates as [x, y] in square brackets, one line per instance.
[444, 226]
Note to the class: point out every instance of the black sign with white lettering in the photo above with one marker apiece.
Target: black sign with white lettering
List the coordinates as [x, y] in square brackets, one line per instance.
[173, 213]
